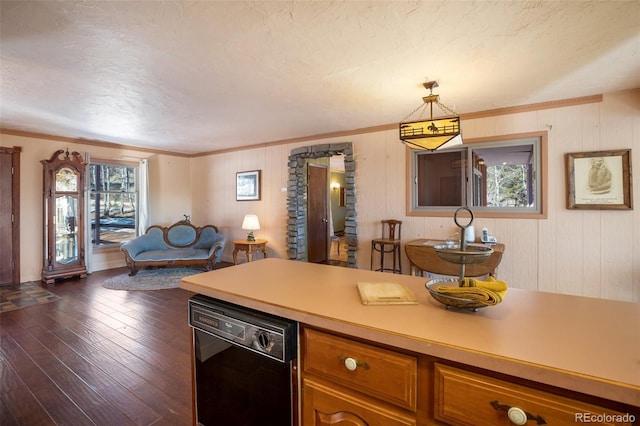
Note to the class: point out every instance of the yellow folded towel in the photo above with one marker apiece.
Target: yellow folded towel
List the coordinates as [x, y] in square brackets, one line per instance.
[491, 284]
[489, 292]
[477, 294]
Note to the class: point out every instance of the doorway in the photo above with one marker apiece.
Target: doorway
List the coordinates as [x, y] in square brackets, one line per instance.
[297, 200]
[337, 212]
[317, 213]
[10, 215]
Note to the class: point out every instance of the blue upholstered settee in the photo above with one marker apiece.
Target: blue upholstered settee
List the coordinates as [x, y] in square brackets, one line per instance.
[179, 245]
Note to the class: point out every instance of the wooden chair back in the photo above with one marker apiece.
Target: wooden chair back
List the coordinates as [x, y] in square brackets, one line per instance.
[390, 226]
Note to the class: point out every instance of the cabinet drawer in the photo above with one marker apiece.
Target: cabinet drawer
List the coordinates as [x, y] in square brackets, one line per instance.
[377, 372]
[324, 405]
[465, 398]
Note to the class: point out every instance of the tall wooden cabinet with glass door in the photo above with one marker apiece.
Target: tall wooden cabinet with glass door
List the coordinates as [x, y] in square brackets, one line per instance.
[64, 251]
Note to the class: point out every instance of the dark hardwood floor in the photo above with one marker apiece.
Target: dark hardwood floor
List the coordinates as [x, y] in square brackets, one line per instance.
[97, 356]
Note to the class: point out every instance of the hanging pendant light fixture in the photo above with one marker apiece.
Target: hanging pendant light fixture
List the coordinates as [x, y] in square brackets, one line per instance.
[432, 133]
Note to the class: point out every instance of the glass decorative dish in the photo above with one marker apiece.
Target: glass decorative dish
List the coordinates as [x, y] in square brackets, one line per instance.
[461, 254]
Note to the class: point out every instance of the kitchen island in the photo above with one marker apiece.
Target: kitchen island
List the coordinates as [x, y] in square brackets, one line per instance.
[585, 348]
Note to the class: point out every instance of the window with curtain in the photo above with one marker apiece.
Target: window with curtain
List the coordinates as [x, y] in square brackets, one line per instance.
[501, 176]
[113, 202]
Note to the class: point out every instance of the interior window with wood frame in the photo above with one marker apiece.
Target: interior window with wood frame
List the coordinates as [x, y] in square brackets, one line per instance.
[495, 177]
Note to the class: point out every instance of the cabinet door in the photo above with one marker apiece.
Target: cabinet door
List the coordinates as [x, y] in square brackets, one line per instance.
[323, 405]
[466, 398]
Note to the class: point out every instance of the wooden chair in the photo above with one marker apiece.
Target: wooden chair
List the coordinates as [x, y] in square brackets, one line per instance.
[335, 236]
[388, 244]
[336, 239]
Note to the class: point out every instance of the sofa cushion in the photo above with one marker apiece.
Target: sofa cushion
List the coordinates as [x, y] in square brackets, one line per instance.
[173, 254]
[181, 235]
[208, 237]
[152, 240]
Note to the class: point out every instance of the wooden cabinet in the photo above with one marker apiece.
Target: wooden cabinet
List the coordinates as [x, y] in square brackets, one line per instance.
[351, 383]
[325, 405]
[63, 190]
[465, 398]
[559, 348]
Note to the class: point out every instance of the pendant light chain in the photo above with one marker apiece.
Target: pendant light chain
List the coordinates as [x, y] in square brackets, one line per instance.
[423, 105]
[445, 108]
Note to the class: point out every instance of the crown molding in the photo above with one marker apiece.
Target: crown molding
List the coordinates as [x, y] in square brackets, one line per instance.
[91, 142]
[384, 127]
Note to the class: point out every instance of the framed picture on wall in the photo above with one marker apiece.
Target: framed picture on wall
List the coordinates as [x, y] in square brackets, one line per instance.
[248, 185]
[599, 180]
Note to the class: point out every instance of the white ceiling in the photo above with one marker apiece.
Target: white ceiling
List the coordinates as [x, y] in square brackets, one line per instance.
[200, 76]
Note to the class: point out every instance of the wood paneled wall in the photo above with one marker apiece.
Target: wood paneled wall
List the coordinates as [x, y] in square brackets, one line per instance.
[591, 253]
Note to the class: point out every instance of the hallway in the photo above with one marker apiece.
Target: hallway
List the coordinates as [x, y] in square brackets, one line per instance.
[335, 258]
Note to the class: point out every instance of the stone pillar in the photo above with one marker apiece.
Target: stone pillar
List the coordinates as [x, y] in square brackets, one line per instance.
[296, 199]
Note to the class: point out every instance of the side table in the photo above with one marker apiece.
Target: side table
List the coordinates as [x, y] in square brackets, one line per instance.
[423, 258]
[249, 247]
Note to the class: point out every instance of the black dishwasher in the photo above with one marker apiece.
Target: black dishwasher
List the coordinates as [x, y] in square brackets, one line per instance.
[245, 365]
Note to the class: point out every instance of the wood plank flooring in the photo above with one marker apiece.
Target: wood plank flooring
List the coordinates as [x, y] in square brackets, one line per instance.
[335, 258]
[97, 357]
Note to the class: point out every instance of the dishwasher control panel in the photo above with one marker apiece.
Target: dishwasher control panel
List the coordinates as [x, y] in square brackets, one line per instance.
[269, 335]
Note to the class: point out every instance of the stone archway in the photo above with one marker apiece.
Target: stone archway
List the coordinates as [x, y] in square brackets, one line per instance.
[297, 199]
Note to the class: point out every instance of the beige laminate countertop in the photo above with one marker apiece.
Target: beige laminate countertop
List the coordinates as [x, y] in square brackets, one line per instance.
[583, 344]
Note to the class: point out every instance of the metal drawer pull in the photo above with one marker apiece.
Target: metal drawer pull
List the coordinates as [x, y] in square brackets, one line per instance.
[352, 364]
[517, 415]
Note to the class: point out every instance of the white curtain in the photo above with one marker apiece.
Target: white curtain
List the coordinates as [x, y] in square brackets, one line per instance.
[88, 251]
[143, 197]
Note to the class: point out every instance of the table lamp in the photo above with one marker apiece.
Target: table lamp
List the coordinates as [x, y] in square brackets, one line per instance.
[250, 223]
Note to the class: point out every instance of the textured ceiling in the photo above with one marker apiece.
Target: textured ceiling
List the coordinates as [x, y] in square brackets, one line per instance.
[200, 76]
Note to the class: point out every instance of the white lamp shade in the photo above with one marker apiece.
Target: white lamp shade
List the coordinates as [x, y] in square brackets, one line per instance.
[251, 223]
